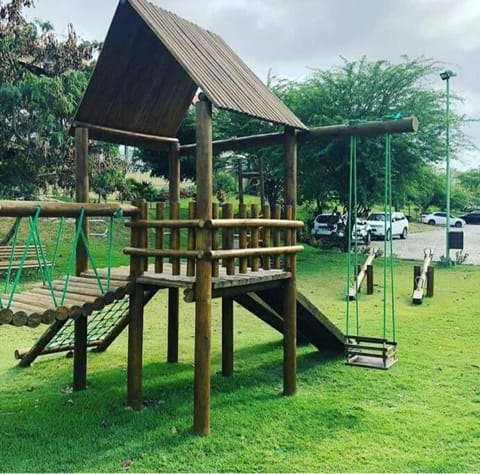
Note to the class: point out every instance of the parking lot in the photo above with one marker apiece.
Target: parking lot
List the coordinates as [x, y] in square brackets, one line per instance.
[413, 247]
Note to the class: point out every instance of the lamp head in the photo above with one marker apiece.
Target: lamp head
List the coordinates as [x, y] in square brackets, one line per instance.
[445, 75]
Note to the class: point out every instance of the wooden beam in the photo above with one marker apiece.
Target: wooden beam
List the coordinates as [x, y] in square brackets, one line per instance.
[64, 209]
[125, 137]
[203, 305]
[81, 192]
[290, 288]
[227, 336]
[378, 127]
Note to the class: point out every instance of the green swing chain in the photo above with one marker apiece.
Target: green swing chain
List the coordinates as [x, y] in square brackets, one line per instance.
[12, 254]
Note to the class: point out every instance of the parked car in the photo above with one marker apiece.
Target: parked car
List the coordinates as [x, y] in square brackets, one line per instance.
[396, 224]
[472, 217]
[440, 218]
[328, 226]
[331, 226]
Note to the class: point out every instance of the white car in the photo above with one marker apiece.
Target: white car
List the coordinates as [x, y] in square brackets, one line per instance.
[332, 226]
[440, 218]
[396, 225]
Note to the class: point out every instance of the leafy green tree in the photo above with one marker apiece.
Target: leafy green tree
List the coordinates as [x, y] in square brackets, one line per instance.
[365, 90]
[470, 181]
[42, 80]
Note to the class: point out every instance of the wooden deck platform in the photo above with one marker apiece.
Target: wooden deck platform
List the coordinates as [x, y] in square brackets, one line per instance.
[223, 285]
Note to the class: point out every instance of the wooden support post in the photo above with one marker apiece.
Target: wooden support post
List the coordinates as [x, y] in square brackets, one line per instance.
[173, 293]
[430, 281]
[261, 181]
[203, 286]
[290, 287]
[135, 328]
[421, 280]
[369, 279]
[81, 194]
[227, 336]
[192, 213]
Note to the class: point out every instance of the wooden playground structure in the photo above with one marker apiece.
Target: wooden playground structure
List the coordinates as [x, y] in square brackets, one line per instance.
[124, 105]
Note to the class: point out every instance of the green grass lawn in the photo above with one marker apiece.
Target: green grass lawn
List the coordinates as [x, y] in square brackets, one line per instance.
[421, 415]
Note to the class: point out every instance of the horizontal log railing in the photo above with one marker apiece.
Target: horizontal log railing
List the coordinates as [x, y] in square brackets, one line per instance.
[64, 209]
[237, 243]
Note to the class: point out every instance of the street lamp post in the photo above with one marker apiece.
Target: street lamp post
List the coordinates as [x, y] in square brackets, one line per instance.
[446, 75]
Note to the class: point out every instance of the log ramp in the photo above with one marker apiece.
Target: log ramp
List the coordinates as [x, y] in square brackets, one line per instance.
[35, 306]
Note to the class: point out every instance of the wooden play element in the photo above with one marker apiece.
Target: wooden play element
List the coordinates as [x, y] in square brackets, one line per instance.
[364, 270]
[10, 257]
[371, 352]
[312, 325]
[423, 277]
[104, 326]
[140, 98]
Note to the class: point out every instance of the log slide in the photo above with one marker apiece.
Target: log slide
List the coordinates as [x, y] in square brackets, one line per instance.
[312, 325]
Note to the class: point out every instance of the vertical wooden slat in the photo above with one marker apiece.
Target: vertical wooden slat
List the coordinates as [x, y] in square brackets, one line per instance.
[144, 233]
[242, 239]
[175, 236]
[215, 234]
[277, 235]
[160, 215]
[266, 238]
[203, 285]
[191, 239]
[261, 181]
[227, 336]
[227, 213]
[254, 239]
[290, 287]
[81, 194]
[240, 182]
[135, 327]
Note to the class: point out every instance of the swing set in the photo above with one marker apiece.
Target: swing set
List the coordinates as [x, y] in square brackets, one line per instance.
[361, 350]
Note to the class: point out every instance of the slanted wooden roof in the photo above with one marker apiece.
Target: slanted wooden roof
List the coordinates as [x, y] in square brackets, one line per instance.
[150, 68]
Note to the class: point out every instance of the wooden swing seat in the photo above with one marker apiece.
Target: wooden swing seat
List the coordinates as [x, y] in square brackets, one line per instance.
[372, 352]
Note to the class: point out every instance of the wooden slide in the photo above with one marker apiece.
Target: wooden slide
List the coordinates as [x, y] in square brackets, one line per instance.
[312, 325]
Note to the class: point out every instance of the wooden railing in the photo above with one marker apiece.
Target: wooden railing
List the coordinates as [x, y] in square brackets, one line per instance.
[241, 243]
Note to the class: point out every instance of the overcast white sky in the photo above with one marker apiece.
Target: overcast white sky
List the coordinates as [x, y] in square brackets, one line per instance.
[291, 36]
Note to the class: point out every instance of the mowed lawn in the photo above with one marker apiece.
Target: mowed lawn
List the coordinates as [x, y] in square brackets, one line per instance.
[421, 415]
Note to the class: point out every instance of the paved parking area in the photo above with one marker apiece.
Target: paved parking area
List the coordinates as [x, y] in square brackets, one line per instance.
[413, 247]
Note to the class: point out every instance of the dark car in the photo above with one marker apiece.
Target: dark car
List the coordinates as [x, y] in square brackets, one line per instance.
[472, 217]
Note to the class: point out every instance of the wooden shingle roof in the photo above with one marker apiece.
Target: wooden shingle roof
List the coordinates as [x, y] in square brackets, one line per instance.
[150, 68]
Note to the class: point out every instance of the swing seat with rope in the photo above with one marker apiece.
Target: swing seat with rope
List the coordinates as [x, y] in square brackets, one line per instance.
[373, 352]
[361, 350]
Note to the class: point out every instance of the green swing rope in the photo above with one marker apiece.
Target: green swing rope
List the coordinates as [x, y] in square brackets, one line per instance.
[388, 266]
[57, 243]
[387, 207]
[352, 186]
[12, 254]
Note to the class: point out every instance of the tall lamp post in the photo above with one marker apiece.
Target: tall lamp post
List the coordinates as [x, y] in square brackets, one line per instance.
[446, 75]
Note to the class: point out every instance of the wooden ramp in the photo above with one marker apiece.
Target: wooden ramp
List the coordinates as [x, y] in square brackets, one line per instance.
[312, 325]
[83, 296]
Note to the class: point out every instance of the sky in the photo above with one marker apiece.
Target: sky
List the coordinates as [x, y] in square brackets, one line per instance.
[292, 37]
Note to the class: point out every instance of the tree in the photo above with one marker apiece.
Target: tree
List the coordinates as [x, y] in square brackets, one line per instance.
[42, 80]
[364, 90]
[470, 181]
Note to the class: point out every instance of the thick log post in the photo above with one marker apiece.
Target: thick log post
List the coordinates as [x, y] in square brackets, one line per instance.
[266, 238]
[203, 286]
[227, 336]
[81, 195]
[290, 287]
[135, 328]
[242, 238]
[173, 293]
[430, 281]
